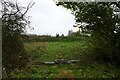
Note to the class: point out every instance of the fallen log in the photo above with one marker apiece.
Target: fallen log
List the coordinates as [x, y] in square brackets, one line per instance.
[65, 61]
[74, 61]
[59, 61]
[48, 63]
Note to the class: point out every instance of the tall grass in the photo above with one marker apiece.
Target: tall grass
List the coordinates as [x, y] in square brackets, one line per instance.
[49, 51]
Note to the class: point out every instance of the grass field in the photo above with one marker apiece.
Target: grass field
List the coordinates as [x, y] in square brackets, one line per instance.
[49, 51]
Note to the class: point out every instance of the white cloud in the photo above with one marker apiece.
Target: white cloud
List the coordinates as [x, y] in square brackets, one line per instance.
[47, 18]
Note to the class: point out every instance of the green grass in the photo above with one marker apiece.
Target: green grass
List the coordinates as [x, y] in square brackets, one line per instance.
[49, 51]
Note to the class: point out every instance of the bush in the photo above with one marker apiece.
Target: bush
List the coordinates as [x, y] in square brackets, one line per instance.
[105, 50]
[13, 25]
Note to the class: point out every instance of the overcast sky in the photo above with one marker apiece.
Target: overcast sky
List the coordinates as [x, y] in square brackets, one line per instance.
[47, 18]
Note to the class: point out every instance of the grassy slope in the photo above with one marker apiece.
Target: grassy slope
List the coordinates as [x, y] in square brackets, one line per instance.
[49, 51]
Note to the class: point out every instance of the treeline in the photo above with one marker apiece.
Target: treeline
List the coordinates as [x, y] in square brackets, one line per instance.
[45, 38]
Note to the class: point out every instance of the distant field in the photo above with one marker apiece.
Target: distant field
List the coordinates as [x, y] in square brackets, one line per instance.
[49, 51]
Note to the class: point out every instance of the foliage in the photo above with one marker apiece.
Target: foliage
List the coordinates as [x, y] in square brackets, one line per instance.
[13, 25]
[103, 23]
[57, 35]
[32, 38]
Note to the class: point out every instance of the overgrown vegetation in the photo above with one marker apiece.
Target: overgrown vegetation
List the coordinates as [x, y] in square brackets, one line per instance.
[23, 54]
[32, 38]
[13, 24]
[103, 22]
[49, 51]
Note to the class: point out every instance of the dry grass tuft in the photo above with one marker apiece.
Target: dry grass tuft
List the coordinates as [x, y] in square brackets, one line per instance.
[66, 74]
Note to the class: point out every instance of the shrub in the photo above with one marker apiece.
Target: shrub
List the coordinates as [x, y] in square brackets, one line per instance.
[13, 25]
